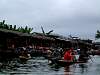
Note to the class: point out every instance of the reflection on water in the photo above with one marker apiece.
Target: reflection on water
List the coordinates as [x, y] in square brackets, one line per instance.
[39, 66]
[67, 70]
[83, 68]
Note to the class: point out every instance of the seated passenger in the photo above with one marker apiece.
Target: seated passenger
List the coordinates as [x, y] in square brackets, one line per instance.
[68, 55]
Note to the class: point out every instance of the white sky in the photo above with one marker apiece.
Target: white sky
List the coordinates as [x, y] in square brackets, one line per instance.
[75, 17]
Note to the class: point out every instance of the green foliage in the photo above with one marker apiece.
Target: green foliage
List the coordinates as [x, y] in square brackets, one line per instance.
[14, 27]
[11, 27]
[29, 30]
[2, 24]
[25, 30]
[97, 36]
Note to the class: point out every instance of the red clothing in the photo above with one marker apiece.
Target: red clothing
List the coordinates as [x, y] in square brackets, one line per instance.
[68, 56]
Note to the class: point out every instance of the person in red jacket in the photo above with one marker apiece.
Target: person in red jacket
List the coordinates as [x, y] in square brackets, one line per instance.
[68, 55]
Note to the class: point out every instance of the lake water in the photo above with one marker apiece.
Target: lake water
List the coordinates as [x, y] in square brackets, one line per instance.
[39, 66]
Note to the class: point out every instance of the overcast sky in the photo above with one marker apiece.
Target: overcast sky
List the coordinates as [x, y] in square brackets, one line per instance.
[75, 17]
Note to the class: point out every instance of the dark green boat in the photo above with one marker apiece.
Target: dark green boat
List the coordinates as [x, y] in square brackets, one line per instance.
[62, 62]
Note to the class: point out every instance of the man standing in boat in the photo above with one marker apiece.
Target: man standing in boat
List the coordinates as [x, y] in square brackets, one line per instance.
[84, 55]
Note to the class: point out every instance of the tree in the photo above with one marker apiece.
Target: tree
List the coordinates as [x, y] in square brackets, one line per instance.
[29, 30]
[11, 27]
[6, 26]
[2, 24]
[97, 36]
[14, 27]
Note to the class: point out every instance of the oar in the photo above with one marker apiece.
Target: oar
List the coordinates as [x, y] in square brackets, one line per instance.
[91, 58]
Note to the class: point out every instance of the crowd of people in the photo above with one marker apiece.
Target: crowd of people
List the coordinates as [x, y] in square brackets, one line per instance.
[69, 54]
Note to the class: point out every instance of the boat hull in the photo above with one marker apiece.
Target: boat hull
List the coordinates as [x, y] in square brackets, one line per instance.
[64, 62]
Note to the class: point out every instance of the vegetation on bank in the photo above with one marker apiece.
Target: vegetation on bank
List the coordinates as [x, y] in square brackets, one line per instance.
[97, 36]
[25, 29]
[14, 28]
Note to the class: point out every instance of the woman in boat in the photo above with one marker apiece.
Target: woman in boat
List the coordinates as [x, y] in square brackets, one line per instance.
[24, 54]
[55, 56]
[56, 53]
[49, 53]
[68, 55]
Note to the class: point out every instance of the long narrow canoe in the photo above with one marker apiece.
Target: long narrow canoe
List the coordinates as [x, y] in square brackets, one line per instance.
[64, 62]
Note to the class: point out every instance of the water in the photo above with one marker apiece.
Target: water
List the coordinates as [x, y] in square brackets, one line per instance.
[39, 66]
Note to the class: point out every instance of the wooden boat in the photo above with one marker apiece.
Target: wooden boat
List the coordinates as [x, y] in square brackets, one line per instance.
[24, 58]
[61, 62]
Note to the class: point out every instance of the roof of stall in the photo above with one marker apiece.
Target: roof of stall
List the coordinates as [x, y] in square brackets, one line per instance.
[13, 33]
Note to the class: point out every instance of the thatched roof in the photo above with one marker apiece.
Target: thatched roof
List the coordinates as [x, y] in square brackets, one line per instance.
[13, 33]
[43, 37]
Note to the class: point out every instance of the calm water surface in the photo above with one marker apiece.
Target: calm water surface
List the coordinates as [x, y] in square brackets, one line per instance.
[39, 66]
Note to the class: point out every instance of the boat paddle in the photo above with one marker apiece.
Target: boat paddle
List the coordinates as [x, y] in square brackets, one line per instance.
[91, 58]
